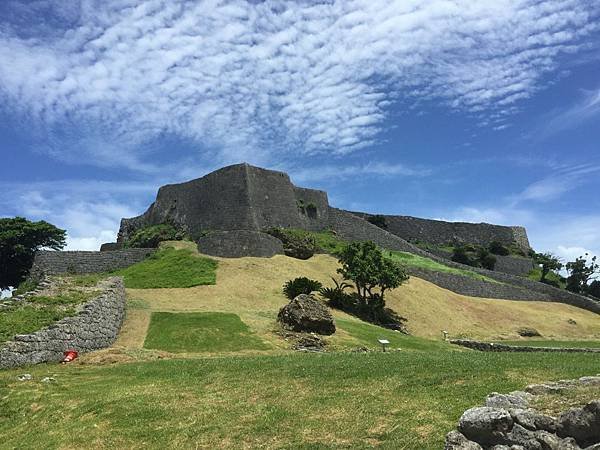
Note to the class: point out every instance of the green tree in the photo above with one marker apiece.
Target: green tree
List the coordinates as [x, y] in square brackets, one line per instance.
[19, 240]
[379, 221]
[547, 262]
[363, 263]
[581, 273]
[594, 290]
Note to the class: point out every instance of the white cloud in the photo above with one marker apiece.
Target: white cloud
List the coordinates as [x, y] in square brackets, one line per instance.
[90, 211]
[246, 76]
[586, 108]
[341, 171]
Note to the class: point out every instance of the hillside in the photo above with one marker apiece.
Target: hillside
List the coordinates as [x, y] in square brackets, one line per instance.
[251, 288]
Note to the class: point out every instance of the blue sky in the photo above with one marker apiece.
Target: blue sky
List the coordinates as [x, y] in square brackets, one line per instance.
[456, 110]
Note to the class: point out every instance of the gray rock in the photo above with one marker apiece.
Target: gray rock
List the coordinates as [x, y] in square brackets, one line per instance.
[582, 424]
[485, 425]
[506, 401]
[593, 447]
[532, 420]
[590, 381]
[523, 437]
[240, 243]
[306, 314]
[457, 441]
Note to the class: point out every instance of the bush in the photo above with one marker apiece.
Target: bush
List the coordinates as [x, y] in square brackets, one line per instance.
[301, 285]
[378, 220]
[150, 237]
[486, 259]
[497, 248]
[295, 244]
[594, 289]
[337, 297]
[460, 255]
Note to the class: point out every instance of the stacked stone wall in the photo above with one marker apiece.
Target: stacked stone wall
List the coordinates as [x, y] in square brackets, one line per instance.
[439, 232]
[494, 347]
[95, 326]
[240, 243]
[81, 262]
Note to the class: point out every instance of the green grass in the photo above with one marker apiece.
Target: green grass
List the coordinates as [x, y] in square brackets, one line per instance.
[170, 268]
[200, 332]
[368, 335]
[536, 273]
[550, 343]
[326, 241]
[396, 400]
[27, 319]
[409, 259]
[70, 297]
[87, 280]
[25, 286]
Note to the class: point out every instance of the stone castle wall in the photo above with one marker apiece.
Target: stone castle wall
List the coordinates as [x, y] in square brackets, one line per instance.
[239, 197]
[95, 326]
[81, 262]
[438, 232]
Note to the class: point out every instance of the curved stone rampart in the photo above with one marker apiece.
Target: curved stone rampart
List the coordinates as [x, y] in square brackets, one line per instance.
[494, 347]
[95, 326]
[81, 262]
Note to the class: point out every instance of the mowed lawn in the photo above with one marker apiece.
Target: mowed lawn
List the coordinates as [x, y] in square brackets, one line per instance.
[200, 332]
[399, 400]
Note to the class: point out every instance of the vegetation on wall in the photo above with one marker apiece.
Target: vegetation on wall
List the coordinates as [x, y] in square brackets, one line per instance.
[549, 265]
[19, 240]
[378, 220]
[474, 255]
[295, 244]
[153, 235]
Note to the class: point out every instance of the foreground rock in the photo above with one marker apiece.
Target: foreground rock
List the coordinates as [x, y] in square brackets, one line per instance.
[507, 422]
[306, 314]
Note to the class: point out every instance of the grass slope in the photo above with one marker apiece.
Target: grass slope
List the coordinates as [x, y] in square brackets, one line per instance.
[411, 260]
[27, 319]
[200, 332]
[170, 268]
[299, 401]
[251, 288]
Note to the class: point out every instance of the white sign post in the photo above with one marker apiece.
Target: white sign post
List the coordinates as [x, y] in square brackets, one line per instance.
[384, 343]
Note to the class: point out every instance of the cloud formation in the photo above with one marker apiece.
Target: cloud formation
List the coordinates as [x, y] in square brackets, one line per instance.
[285, 76]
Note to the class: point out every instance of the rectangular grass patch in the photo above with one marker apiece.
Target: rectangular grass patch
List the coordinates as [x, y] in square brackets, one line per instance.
[170, 268]
[200, 332]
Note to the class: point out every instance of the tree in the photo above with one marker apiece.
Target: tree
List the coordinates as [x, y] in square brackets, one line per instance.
[581, 273]
[379, 221]
[547, 262]
[497, 248]
[364, 264]
[19, 240]
[485, 259]
[594, 290]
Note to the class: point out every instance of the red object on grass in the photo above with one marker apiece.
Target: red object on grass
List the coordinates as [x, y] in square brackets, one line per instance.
[70, 355]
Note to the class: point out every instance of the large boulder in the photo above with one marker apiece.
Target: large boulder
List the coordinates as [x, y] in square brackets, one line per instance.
[240, 243]
[306, 314]
[457, 441]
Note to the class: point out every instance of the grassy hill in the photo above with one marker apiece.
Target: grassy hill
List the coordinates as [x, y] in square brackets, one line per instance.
[203, 367]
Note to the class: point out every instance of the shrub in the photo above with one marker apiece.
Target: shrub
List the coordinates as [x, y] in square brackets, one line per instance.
[150, 237]
[379, 221]
[336, 296]
[497, 248]
[594, 289]
[486, 259]
[295, 244]
[460, 255]
[301, 285]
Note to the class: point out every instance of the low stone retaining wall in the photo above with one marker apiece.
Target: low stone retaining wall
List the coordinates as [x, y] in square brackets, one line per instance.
[477, 288]
[95, 326]
[493, 347]
[80, 262]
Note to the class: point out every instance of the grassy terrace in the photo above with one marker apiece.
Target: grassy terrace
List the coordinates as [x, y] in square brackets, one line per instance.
[332, 244]
[411, 260]
[170, 268]
[341, 400]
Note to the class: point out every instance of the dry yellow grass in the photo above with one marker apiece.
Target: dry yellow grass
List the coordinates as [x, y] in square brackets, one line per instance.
[251, 288]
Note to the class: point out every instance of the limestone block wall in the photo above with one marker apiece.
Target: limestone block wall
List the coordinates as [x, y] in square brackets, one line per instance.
[95, 326]
[495, 347]
[513, 265]
[240, 243]
[440, 232]
[81, 262]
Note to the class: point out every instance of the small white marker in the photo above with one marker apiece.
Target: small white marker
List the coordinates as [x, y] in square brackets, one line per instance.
[384, 343]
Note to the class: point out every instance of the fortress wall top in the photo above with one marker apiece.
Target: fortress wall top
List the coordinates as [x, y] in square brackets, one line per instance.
[440, 232]
[238, 197]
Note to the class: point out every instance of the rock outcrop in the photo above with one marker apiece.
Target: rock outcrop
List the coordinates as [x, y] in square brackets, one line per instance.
[507, 422]
[306, 314]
